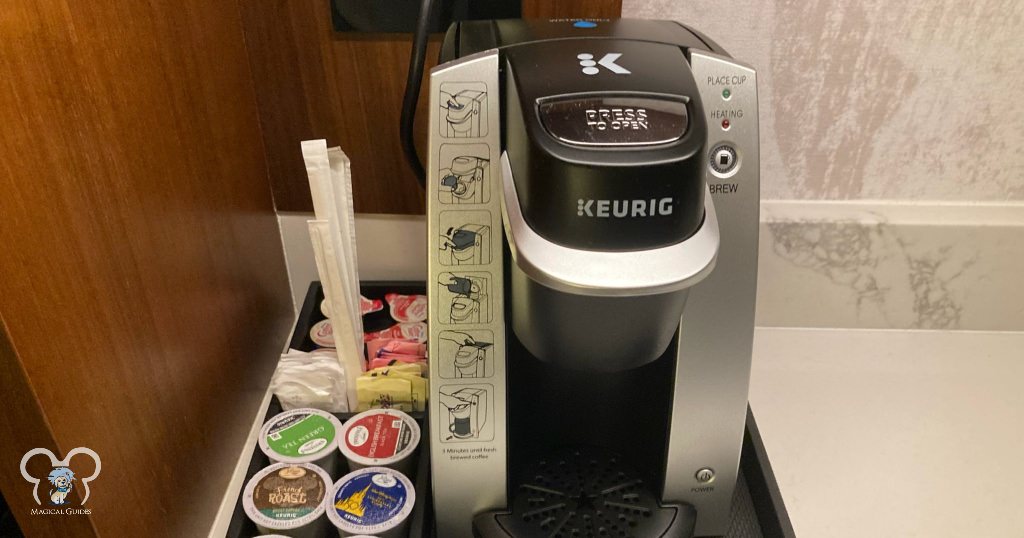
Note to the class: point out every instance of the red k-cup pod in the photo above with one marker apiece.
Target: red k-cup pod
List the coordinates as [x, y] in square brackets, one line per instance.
[380, 438]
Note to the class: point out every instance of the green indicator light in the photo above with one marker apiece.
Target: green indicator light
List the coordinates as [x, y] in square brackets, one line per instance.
[726, 93]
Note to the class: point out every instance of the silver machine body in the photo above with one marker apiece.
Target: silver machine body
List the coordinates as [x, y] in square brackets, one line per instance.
[695, 297]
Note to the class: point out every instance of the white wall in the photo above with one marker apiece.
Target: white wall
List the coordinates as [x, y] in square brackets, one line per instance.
[389, 247]
[910, 100]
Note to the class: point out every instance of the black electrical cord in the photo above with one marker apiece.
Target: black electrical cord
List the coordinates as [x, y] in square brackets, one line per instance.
[412, 91]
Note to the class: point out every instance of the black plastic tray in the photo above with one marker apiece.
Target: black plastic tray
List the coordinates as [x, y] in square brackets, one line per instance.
[241, 526]
[757, 507]
[757, 512]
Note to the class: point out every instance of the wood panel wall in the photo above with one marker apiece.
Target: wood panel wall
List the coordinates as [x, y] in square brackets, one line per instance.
[312, 82]
[143, 294]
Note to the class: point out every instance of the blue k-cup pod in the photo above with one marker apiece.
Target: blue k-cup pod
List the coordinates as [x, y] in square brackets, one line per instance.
[373, 501]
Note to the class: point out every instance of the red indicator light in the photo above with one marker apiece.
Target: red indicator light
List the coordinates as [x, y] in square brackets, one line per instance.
[725, 124]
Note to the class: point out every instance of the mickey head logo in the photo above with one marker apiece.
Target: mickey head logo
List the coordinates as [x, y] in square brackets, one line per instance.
[61, 477]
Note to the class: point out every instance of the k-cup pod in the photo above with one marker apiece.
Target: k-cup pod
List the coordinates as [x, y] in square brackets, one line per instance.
[288, 499]
[380, 438]
[374, 501]
[303, 436]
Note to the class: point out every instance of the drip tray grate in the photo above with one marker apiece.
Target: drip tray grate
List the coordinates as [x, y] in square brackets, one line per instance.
[587, 493]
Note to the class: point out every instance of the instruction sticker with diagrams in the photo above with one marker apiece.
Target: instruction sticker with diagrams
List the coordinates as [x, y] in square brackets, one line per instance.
[469, 414]
[463, 109]
[464, 298]
[465, 289]
[464, 174]
[465, 354]
[466, 238]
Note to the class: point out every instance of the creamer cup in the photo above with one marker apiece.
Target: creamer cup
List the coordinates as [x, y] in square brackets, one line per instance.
[322, 333]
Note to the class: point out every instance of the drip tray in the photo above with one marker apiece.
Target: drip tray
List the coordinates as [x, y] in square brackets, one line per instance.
[588, 493]
[585, 492]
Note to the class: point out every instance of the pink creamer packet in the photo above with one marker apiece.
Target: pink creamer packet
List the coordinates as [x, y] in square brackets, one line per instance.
[382, 361]
[407, 308]
[403, 358]
[409, 331]
[402, 346]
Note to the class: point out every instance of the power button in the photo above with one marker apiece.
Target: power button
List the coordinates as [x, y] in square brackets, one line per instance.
[723, 159]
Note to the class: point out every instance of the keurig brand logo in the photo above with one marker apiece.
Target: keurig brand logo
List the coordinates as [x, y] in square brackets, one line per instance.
[607, 61]
[624, 208]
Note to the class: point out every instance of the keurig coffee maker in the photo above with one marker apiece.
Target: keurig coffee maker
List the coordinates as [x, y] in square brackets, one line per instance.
[592, 204]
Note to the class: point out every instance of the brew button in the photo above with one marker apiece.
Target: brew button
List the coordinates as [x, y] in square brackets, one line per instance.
[705, 475]
[723, 158]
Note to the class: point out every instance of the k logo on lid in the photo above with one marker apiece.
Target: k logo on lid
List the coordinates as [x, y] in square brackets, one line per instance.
[607, 61]
[61, 477]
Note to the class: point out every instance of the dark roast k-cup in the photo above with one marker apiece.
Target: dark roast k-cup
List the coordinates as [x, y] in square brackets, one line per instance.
[288, 499]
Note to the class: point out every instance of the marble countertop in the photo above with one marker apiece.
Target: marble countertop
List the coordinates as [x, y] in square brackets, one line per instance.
[894, 433]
